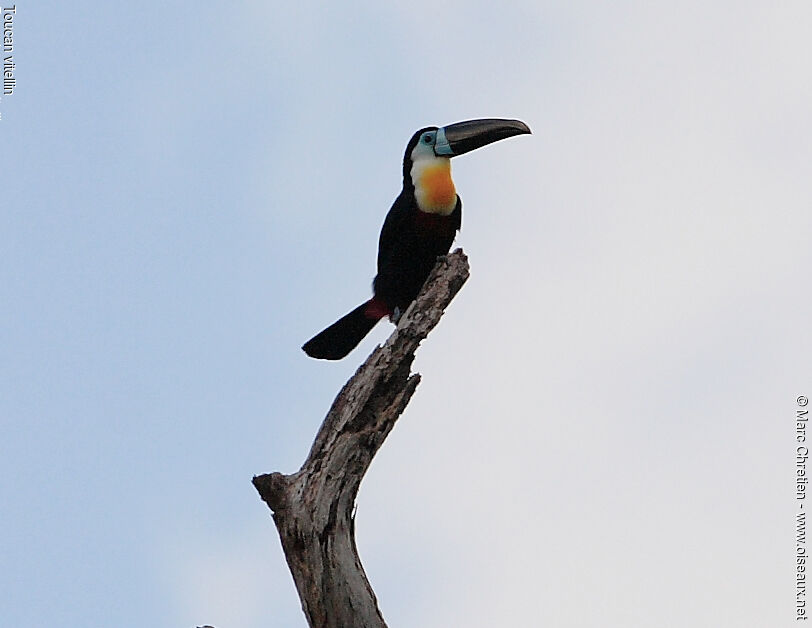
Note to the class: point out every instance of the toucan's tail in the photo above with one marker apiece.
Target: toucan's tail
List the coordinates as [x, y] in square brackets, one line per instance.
[342, 336]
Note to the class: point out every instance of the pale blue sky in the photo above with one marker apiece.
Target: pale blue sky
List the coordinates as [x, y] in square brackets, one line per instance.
[603, 435]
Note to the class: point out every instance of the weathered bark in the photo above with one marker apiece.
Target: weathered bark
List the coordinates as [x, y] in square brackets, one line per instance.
[312, 508]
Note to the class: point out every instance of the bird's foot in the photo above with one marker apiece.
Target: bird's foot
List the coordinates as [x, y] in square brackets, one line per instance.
[395, 315]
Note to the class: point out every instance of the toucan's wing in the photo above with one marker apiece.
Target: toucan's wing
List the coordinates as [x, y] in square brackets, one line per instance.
[393, 226]
[457, 214]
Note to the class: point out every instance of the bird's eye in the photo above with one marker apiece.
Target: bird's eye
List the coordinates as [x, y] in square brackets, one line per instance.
[427, 138]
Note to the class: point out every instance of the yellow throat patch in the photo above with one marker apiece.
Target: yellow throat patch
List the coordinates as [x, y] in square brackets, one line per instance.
[433, 187]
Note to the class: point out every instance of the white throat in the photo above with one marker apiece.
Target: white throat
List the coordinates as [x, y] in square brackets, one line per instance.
[433, 188]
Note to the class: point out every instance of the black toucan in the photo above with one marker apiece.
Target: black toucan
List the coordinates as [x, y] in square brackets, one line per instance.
[421, 226]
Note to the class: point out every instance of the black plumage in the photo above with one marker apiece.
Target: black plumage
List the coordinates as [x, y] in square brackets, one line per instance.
[420, 226]
[408, 247]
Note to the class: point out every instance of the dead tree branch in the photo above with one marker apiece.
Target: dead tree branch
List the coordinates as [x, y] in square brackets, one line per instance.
[312, 508]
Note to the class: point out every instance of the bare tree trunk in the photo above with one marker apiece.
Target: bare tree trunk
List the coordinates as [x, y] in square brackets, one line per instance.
[312, 508]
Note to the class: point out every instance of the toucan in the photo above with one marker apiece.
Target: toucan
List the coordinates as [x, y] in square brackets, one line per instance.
[420, 226]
